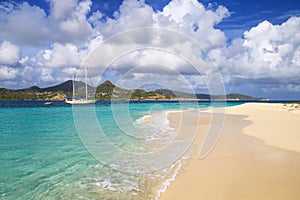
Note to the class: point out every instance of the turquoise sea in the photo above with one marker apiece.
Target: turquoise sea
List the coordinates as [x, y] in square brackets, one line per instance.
[42, 156]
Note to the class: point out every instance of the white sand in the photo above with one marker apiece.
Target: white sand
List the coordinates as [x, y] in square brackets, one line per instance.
[276, 124]
[263, 166]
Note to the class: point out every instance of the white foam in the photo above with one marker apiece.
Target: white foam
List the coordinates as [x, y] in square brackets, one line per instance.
[118, 183]
[167, 182]
[144, 119]
[156, 125]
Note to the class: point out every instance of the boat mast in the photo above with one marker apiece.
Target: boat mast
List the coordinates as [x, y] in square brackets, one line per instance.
[73, 84]
[85, 74]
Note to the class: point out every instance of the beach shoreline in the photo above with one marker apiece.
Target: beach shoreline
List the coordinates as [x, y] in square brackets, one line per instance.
[256, 157]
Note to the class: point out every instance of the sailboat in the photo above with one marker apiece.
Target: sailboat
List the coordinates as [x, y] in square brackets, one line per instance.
[84, 100]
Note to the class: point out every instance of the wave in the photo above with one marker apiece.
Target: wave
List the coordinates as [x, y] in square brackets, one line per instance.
[160, 125]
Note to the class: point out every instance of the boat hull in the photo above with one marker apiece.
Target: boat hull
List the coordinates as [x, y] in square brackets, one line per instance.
[80, 101]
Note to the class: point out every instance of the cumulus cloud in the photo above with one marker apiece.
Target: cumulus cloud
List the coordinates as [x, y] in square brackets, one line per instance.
[47, 75]
[9, 53]
[25, 25]
[137, 79]
[56, 64]
[61, 9]
[76, 26]
[30, 26]
[153, 61]
[7, 73]
[131, 14]
[267, 53]
[60, 56]
[29, 74]
[193, 19]
[186, 16]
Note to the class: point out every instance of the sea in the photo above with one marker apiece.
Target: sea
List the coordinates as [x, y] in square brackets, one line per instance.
[43, 154]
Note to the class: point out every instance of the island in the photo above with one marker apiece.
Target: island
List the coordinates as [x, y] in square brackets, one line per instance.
[108, 91]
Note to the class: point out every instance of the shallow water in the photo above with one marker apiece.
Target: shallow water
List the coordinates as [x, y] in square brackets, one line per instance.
[42, 156]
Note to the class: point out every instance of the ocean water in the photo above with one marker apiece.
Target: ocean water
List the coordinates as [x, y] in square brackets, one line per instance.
[43, 157]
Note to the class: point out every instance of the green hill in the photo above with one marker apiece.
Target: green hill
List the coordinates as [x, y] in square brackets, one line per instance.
[240, 97]
[107, 91]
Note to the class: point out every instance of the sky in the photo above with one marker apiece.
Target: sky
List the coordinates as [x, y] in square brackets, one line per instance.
[254, 45]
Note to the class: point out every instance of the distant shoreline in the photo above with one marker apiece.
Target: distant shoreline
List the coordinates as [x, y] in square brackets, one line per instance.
[108, 91]
[168, 100]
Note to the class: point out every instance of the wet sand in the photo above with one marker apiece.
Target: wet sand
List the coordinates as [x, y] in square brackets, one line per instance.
[256, 157]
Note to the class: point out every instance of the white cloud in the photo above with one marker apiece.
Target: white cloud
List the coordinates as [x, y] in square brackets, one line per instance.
[7, 73]
[7, 6]
[94, 43]
[131, 14]
[95, 18]
[30, 26]
[193, 19]
[47, 75]
[182, 11]
[296, 58]
[29, 74]
[268, 53]
[187, 16]
[9, 53]
[153, 61]
[76, 26]
[25, 25]
[60, 56]
[62, 39]
[198, 81]
[61, 9]
[135, 79]
[84, 7]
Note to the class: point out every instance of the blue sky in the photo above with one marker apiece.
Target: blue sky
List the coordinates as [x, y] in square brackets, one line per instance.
[254, 44]
[244, 14]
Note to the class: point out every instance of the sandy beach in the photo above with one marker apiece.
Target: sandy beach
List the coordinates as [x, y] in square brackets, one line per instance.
[256, 157]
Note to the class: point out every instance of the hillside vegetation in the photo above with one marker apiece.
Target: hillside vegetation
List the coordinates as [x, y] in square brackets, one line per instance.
[108, 91]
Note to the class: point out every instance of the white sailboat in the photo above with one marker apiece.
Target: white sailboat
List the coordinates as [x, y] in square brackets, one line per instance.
[84, 100]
